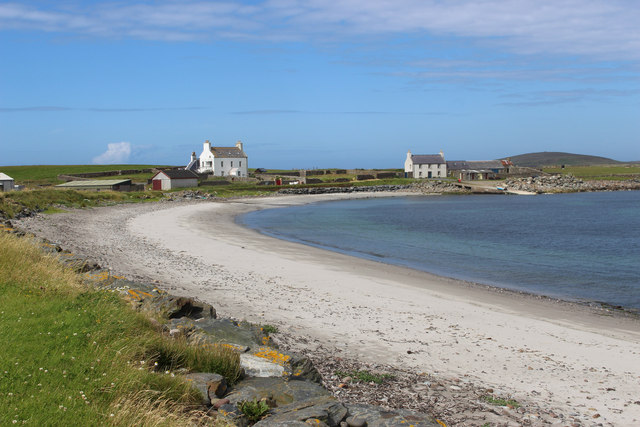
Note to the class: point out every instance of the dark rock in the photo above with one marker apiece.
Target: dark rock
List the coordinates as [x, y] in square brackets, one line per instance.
[202, 382]
[226, 331]
[325, 409]
[279, 390]
[375, 416]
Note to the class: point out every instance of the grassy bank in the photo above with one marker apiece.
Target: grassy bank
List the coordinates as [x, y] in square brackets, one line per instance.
[38, 175]
[72, 355]
[13, 202]
[599, 172]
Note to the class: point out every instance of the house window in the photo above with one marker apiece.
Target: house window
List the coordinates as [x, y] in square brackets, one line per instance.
[221, 163]
[231, 163]
[240, 163]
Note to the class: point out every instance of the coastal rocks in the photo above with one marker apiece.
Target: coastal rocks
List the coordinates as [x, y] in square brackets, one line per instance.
[277, 391]
[211, 386]
[329, 190]
[374, 416]
[326, 410]
[567, 183]
[437, 187]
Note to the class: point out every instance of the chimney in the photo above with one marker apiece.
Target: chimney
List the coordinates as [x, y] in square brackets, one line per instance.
[441, 154]
[193, 156]
[239, 145]
[206, 146]
[409, 154]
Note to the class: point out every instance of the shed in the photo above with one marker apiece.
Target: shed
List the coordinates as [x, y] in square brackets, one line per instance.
[6, 182]
[174, 178]
[99, 184]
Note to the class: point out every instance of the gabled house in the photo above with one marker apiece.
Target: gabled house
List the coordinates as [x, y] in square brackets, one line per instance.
[425, 165]
[477, 169]
[174, 178]
[220, 161]
[6, 182]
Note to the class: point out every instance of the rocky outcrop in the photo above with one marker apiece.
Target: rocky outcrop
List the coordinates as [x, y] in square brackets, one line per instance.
[567, 184]
[437, 187]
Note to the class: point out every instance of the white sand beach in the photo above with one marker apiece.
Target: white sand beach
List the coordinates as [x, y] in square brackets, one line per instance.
[573, 359]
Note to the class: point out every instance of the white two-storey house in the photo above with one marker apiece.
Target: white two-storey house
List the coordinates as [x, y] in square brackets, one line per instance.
[220, 161]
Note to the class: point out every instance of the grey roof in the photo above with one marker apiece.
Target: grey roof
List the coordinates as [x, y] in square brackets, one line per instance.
[422, 159]
[227, 152]
[457, 165]
[474, 164]
[94, 183]
[178, 174]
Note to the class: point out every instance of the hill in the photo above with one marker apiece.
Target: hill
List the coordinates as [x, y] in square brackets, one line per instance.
[552, 158]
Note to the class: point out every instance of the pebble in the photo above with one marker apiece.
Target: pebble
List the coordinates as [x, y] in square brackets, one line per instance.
[356, 422]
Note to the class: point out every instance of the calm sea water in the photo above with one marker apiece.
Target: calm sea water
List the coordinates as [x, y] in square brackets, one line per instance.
[582, 246]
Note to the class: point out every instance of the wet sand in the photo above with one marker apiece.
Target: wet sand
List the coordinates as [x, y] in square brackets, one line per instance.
[567, 357]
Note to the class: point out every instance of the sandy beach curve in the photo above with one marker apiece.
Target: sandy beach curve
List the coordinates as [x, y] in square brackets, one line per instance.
[576, 359]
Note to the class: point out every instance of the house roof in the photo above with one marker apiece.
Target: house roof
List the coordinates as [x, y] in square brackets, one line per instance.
[4, 176]
[227, 152]
[475, 164]
[178, 174]
[94, 183]
[421, 159]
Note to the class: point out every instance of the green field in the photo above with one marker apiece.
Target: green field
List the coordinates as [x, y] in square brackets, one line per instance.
[74, 355]
[599, 172]
[42, 175]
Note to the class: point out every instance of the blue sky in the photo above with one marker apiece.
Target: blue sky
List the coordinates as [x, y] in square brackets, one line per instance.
[308, 84]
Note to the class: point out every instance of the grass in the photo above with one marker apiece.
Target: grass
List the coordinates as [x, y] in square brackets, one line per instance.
[365, 376]
[269, 329]
[254, 410]
[11, 203]
[48, 174]
[500, 402]
[599, 172]
[76, 356]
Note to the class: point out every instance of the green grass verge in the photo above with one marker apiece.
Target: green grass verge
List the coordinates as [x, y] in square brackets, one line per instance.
[599, 172]
[365, 376]
[500, 402]
[48, 174]
[12, 202]
[77, 356]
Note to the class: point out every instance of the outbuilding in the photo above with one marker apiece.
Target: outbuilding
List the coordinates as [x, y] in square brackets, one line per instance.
[6, 182]
[174, 178]
[99, 184]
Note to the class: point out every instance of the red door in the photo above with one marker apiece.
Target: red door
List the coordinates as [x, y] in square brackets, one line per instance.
[157, 184]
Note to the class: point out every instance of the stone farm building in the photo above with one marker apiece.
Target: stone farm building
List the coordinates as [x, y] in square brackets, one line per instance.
[425, 165]
[478, 169]
[220, 161]
[174, 178]
[6, 182]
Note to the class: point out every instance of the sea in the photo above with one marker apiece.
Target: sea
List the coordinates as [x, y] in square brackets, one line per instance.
[582, 247]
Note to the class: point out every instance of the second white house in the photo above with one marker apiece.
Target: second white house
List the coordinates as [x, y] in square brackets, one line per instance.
[425, 165]
[220, 161]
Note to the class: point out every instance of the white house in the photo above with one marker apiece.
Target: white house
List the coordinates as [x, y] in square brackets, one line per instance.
[425, 165]
[174, 178]
[220, 161]
[6, 182]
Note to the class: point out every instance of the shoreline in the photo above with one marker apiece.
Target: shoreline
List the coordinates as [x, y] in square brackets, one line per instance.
[554, 353]
[597, 306]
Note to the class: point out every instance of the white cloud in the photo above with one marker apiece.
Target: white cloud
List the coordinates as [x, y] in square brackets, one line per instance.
[117, 152]
[602, 29]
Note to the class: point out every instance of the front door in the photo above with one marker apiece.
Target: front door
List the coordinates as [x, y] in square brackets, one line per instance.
[157, 184]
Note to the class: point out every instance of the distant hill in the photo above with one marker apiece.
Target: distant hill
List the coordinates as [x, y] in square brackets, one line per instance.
[551, 158]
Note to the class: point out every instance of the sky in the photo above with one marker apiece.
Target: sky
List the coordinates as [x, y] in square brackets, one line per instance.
[317, 84]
